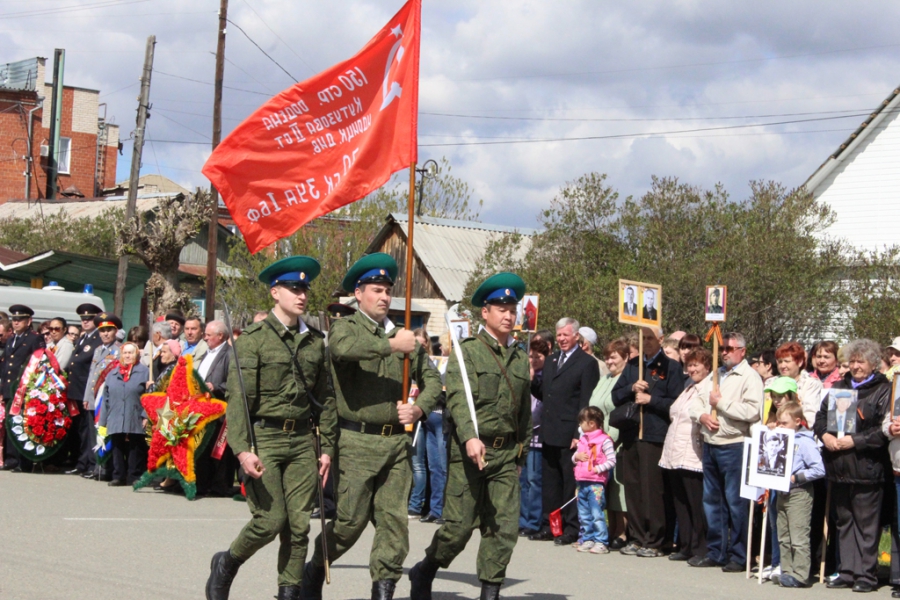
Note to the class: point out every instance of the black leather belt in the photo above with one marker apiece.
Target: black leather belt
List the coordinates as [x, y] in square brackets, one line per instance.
[498, 441]
[288, 425]
[387, 430]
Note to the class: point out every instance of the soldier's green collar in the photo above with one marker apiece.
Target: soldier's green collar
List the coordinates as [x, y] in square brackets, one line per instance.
[510, 342]
[283, 329]
[371, 324]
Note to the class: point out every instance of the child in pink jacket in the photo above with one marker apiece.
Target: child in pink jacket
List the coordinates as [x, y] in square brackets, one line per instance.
[594, 460]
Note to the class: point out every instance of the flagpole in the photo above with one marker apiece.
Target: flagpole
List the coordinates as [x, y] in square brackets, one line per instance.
[409, 270]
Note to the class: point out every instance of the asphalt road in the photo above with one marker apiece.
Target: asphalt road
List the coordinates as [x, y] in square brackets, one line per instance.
[70, 539]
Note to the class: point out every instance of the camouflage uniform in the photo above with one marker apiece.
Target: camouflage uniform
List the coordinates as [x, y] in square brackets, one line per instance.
[374, 472]
[489, 499]
[280, 411]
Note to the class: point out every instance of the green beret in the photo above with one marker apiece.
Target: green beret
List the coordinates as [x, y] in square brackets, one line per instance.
[294, 270]
[502, 288]
[372, 268]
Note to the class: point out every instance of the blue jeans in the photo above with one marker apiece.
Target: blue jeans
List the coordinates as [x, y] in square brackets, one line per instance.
[436, 450]
[591, 512]
[530, 482]
[420, 475]
[726, 511]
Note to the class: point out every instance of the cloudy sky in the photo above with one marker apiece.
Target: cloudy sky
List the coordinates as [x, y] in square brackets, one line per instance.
[706, 91]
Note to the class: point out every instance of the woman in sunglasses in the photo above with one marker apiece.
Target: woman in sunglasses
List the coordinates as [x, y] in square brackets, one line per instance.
[58, 342]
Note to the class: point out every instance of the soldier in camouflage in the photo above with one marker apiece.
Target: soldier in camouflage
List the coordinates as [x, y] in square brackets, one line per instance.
[283, 362]
[483, 475]
[374, 458]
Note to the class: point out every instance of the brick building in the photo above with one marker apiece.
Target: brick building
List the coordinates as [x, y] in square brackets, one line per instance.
[88, 144]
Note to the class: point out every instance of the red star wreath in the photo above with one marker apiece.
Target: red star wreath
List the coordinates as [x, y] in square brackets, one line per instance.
[179, 415]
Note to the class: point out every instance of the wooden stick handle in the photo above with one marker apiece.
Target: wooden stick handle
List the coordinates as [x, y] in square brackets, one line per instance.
[712, 412]
[641, 377]
[825, 534]
[750, 539]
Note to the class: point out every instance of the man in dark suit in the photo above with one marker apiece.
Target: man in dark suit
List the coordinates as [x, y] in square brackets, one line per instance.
[629, 308]
[215, 476]
[80, 444]
[19, 348]
[650, 312]
[569, 379]
[637, 462]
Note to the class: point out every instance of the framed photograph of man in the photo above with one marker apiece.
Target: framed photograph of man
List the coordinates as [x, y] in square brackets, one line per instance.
[527, 313]
[773, 455]
[716, 297]
[842, 406]
[749, 492]
[895, 392]
[640, 303]
[459, 329]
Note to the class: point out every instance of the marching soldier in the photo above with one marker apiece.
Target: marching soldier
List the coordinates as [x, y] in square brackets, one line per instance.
[19, 348]
[282, 361]
[482, 483]
[374, 453]
[81, 445]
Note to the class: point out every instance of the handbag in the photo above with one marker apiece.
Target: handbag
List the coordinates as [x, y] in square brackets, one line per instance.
[627, 416]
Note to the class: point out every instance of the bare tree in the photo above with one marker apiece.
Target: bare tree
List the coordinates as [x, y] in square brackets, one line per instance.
[157, 238]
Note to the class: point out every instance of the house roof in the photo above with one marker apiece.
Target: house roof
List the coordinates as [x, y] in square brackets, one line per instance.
[8, 256]
[450, 249]
[153, 183]
[888, 106]
[76, 208]
[72, 271]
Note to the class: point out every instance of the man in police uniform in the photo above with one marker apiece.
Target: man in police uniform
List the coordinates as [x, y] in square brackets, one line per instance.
[107, 326]
[482, 482]
[19, 348]
[374, 452]
[81, 444]
[284, 367]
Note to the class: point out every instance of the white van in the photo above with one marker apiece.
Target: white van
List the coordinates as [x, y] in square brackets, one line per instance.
[47, 303]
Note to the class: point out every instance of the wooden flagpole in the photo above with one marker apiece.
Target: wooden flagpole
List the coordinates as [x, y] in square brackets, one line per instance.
[409, 271]
[641, 376]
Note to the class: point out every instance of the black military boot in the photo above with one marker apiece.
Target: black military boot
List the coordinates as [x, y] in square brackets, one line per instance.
[288, 592]
[490, 591]
[383, 590]
[222, 571]
[313, 580]
[421, 577]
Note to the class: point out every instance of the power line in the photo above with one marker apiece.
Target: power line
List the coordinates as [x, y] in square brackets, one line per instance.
[208, 83]
[70, 8]
[263, 51]
[275, 33]
[636, 119]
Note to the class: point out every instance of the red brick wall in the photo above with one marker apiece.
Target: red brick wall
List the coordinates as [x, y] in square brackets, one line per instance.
[13, 144]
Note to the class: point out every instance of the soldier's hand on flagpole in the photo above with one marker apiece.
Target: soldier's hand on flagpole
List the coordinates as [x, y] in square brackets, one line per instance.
[324, 467]
[408, 413]
[403, 342]
[475, 451]
[251, 464]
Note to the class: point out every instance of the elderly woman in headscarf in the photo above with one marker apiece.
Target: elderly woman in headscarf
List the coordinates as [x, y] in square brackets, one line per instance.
[124, 417]
[165, 362]
[855, 462]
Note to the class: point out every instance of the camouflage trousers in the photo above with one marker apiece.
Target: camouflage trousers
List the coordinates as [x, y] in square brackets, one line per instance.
[281, 501]
[486, 500]
[373, 483]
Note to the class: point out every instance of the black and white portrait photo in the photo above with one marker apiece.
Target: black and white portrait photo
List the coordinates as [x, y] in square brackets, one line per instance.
[629, 305]
[715, 302]
[650, 312]
[773, 455]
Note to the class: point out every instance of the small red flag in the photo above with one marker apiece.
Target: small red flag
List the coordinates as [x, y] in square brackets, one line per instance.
[325, 142]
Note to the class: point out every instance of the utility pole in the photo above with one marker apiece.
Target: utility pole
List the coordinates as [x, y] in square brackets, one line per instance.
[143, 106]
[213, 235]
[56, 100]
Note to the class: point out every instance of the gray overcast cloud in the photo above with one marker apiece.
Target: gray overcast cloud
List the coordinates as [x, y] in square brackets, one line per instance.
[501, 71]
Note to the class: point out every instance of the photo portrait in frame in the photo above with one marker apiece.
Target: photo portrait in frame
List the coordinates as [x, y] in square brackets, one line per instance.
[527, 313]
[716, 299]
[640, 303]
[460, 329]
[773, 456]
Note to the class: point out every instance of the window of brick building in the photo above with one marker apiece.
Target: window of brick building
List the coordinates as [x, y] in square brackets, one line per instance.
[65, 147]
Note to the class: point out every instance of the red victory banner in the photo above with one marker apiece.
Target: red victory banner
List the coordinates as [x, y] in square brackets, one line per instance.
[327, 141]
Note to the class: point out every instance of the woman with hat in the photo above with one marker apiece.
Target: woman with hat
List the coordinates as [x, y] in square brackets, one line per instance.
[124, 417]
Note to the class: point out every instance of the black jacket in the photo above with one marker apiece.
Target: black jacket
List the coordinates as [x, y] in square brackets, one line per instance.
[666, 380]
[868, 461]
[15, 359]
[80, 365]
[564, 393]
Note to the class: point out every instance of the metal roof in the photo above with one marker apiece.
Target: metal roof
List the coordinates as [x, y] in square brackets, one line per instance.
[20, 75]
[450, 249]
[75, 209]
[72, 271]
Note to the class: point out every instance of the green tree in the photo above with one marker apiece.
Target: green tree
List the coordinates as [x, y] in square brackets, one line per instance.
[872, 282]
[92, 236]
